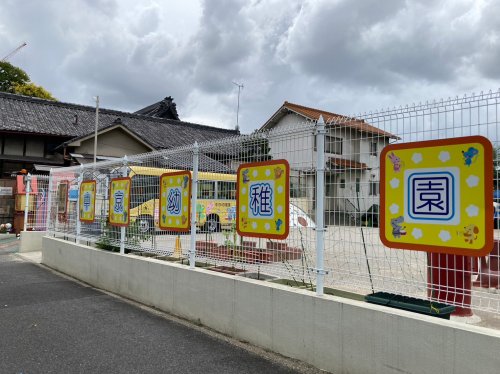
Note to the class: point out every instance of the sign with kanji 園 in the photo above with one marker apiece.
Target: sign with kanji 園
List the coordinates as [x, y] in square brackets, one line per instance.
[119, 202]
[262, 199]
[87, 201]
[175, 201]
[437, 196]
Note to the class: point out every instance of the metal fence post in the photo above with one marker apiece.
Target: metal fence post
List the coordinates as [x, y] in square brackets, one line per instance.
[26, 205]
[194, 198]
[78, 223]
[48, 211]
[320, 198]
[123, 228]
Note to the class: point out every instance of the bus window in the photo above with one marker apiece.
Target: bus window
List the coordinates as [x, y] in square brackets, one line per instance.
[206, 190]
[226, 190]
[144, 188]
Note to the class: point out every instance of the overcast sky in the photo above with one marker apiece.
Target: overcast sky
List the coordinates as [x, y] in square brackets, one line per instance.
[343, 56]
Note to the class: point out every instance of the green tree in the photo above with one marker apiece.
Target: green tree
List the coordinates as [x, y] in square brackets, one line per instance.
[11, 75]
[31, 89]
[254, 150]
[16, 80]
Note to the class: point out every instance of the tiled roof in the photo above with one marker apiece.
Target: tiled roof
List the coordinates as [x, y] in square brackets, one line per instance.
[165, 108]
[329, 118]
[44, 117]
[340, 163]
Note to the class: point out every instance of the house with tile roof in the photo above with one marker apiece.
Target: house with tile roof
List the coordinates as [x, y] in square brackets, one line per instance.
[42, 133]
[352, 151]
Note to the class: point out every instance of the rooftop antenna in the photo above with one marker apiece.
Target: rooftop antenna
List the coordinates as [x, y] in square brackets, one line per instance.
[12, 53]
[240, 87]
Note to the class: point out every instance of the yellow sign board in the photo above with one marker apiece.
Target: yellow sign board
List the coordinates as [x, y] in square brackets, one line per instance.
[87, 201]
[262, 199]
[119, 202]
[175, 201]
[437, 196]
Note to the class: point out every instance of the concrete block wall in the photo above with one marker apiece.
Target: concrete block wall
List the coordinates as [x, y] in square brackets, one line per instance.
[31, 241]
[334, 334]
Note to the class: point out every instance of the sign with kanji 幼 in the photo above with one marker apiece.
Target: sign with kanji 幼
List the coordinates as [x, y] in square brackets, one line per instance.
[175, 201]
[437, 196]
[87, 201]
[262, 199]
[119, 202]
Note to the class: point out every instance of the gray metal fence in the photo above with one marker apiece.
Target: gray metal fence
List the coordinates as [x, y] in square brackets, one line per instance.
[347, 254]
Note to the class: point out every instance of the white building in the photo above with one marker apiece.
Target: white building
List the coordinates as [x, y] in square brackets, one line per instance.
[352, 150]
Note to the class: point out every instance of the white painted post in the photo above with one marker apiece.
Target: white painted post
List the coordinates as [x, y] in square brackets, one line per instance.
[320, 198]
[26, 202]
[122, 229]
[78, 223]
[194, 199]
[49, 202]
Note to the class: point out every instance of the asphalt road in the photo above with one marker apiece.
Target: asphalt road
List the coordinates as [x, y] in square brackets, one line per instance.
[50, 324]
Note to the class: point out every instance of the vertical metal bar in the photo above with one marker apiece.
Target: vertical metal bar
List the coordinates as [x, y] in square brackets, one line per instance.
[320, 198]
[122, 229]
[78, 222]
[194, 198]
[26, 202]
[49, 202]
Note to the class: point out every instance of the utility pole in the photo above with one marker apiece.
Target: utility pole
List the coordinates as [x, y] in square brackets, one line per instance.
[96, 126]
[240, 87]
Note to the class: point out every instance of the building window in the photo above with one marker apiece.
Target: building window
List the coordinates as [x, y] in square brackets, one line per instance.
[342, 183]
[373, 148]
[297, 185]
[34, 147]
[332, 145]
[14, 146]
[374, 188]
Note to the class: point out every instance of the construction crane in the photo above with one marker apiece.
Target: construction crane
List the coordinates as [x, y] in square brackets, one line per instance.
[14, 52]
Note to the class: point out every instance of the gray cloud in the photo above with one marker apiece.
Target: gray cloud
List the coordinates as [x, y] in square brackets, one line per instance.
[343, 56]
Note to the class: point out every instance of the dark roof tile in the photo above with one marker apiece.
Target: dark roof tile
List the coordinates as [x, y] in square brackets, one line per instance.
[37, 116]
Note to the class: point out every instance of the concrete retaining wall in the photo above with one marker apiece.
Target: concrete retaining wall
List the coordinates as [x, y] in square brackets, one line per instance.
[334, 334]
[31, 241]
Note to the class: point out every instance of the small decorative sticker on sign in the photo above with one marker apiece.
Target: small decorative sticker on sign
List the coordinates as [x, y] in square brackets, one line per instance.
[175, 201]
[119, 202]
[436, 196]
[87, 201]
[262, 199]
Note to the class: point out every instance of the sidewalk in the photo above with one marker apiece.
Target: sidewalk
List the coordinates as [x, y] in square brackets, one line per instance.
[50, 324]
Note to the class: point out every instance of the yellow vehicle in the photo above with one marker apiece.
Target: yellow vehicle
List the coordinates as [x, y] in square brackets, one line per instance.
[216, 203]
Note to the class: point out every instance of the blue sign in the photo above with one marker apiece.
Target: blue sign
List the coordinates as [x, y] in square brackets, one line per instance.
[261, 199]
[432, 195]
[174, 201]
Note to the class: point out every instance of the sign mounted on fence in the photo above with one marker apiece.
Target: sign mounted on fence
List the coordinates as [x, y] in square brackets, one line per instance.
[262, 199]
[119, 202]
[62, 197]
[87, 201]
[175, 201]
[437, 196]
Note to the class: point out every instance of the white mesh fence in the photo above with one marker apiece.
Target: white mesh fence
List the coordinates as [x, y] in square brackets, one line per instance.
[354, 257]
[37, 203]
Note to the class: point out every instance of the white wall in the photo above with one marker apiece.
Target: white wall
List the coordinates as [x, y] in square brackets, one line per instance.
[334, 334]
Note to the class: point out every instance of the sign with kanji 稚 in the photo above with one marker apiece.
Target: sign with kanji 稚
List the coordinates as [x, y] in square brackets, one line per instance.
[437, 196]
[87, 201]
[175, 201]
[262, 199]
[119, 202]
